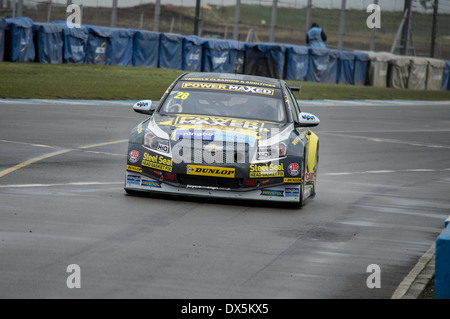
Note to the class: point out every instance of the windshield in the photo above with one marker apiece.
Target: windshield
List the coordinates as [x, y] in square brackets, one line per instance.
[237, 101]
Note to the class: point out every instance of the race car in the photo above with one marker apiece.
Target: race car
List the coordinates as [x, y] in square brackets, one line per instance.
[223, 135]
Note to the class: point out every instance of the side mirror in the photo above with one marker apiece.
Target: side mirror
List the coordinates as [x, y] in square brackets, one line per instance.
[307, 119]
[145, 107]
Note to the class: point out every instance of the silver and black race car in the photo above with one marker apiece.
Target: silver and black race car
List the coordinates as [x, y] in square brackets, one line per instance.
[227, 136]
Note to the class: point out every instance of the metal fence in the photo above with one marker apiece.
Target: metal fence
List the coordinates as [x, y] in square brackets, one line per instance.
[283, 21]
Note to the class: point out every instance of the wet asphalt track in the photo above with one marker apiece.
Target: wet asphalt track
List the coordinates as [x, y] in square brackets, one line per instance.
[384, 181]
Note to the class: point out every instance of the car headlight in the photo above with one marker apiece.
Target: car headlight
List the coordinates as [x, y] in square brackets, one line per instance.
[272, 152]
[154, 142]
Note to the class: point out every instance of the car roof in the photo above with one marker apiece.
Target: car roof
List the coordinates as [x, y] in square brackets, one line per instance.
[232, 78]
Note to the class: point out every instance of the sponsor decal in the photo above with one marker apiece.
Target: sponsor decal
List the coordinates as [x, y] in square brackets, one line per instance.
[214, 135]
[296, 140]
[210, 171]
[193, 135]
[266, 170]
[205, 122]
[231, 80]
[273, 193]
[220, 60]
[133, 157]
[134, 168]
[170, 176]
[148, 183]
[292, 192]
[292, 180]
[133, 180]
[294, 169]
[100, 50]
[181, 96]
[163, 148]
[213, 148]
[157, 162]
[194, 56]
[309, 176]
[139, 128]
[77, 49]
[228, 87]
[308, 117]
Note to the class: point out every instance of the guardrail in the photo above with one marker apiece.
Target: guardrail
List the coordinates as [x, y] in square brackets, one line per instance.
[22, 40]
[442, 264]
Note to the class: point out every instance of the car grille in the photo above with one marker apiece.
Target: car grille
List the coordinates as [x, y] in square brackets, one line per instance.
[208, 152]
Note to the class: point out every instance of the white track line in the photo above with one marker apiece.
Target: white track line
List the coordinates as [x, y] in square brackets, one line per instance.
[407, 282]
[414, 170]
[61, 184]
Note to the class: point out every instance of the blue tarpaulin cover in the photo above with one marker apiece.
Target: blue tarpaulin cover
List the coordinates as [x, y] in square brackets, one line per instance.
[171, 51]
[19, 40]
[122, 47]
[265, 59]
[361, 66]
[192, 53]
[49, 43]
[223, 56]
[75, 44]
[3, 26]
[322, 65]
[296, 63]
[446, 76]
[99, 45]
[346, 67]
[146, 49]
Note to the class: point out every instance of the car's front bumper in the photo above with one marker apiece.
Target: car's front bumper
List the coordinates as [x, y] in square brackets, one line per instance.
[289, 193]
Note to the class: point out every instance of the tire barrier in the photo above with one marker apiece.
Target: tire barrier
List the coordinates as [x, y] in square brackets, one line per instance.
[22, 40]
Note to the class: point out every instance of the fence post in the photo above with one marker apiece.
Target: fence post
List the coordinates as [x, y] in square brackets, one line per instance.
[406, 29]
[157, 10]
[342, 25]
[114, 14]
[49, 10]
[433, 29]
[197, 18]
[68, 3]
[308, 16]
[372, 35]
[237, 14]
[274, 20]
[20, 8]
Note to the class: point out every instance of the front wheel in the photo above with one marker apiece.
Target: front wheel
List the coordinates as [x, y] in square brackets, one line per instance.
[316, 167]
[302, 197]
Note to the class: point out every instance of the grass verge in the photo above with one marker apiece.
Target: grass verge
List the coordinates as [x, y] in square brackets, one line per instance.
[94, 82]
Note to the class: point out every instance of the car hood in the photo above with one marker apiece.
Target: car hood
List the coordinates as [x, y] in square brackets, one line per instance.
[212, 128]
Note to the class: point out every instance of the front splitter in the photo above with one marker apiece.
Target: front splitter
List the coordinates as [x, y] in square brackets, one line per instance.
[283, 193]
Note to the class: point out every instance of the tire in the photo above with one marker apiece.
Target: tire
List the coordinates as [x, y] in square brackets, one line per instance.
[316, 167]
[301, 199]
